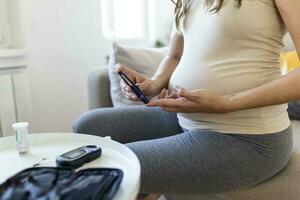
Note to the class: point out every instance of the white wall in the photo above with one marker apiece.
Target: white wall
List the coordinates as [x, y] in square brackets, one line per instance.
[161, 13]
[64, 42]
[15, 24]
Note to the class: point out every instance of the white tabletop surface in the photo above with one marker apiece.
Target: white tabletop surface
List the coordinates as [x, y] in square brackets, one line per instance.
[50, 145]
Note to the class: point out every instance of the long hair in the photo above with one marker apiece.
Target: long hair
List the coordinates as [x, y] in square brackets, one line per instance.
[182, 6]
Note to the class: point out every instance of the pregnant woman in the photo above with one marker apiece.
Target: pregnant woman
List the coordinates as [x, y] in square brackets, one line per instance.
[220, 122]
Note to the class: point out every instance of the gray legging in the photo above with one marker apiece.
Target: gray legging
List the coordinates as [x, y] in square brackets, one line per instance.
[190, 162]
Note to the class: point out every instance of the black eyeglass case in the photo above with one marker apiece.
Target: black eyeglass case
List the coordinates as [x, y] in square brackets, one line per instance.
[51, 183]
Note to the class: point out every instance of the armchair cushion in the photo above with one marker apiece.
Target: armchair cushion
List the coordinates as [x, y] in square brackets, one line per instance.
[99, 88]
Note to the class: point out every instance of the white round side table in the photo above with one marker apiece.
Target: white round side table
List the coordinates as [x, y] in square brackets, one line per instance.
[45, 147]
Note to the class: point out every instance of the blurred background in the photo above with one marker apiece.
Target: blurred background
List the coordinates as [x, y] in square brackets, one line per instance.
[47, 48]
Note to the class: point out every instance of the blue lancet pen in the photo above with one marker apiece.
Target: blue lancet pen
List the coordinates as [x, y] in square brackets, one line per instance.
[135, 89]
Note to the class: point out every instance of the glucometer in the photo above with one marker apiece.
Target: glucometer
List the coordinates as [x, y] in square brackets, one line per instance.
[78, 157]
[135, 89]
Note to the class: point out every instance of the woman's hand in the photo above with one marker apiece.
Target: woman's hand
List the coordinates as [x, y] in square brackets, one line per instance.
[185, 101]
[149, 87]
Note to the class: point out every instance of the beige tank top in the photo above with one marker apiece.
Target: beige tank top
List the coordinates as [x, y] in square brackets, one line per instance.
[231, 51]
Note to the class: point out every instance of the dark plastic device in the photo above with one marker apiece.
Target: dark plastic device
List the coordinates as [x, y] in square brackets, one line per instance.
[78, 157]
[135, 89]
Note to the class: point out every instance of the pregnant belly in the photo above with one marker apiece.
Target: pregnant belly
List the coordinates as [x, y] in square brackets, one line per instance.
[224, 78]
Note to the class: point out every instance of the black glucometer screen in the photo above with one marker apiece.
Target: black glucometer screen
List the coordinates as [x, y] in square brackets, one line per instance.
[74, 154]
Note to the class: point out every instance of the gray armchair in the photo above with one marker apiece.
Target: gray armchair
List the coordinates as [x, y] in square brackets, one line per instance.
[284, 186]
[99, 88]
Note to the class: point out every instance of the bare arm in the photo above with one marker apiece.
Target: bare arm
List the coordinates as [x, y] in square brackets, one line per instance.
[171, 61]
[285, 89]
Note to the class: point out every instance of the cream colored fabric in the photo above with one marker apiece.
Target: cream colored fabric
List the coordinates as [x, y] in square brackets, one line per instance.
[232, 51]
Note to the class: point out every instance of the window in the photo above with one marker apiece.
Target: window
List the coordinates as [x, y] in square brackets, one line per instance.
[5, 40]
[124, 19]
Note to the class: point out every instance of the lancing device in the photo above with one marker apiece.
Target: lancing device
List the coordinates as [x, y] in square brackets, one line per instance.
[135, 89]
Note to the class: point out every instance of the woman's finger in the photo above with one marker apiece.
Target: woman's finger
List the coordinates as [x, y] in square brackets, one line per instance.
[131, 96]
[143, 84]
[163, 94]
[125, 91]
[171, 109]
[128, 71]
[182, 92]
[125, 86]
[123, 68]
[173, 95]
[165, 102]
